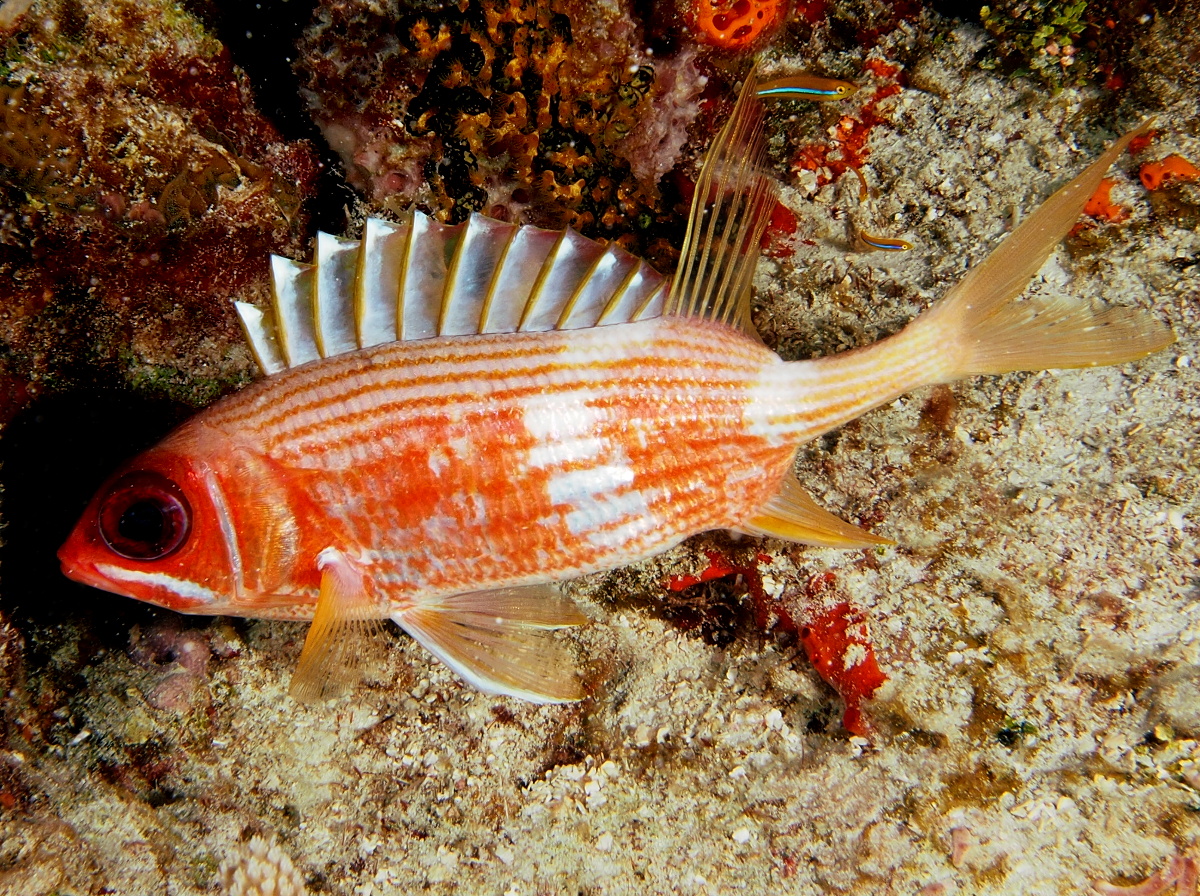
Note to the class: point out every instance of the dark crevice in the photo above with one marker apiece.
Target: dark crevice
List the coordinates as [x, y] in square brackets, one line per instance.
[53, 457]
[261, 38]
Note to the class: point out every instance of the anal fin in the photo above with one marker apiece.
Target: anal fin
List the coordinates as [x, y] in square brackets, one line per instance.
[794, 516]
[347, 622]
[502, 641]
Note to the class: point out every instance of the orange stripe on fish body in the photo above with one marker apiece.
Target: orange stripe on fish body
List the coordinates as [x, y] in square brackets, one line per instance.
[557, 454]
[457, 416]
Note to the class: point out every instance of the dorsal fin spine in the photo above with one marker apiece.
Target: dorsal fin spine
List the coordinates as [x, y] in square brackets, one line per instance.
[451, 287]
[646, 309]
[539, 284]
[618, 294]
[485, 312]
[262, 335]
[402, 284]
[569, 306]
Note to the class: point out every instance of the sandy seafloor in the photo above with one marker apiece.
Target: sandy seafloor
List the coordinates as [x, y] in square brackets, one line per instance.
[1045, 581]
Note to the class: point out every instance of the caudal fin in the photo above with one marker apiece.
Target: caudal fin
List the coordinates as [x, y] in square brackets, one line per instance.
[993, 331]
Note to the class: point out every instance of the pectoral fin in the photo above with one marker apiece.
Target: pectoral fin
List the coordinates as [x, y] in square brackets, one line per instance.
[794, 516]
[342, 633]
[502, 641]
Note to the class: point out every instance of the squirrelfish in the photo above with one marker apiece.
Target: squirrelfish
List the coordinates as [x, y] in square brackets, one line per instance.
[454, 418]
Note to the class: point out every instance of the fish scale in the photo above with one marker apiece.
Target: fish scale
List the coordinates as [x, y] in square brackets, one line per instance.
[671, 394]
[456, 417]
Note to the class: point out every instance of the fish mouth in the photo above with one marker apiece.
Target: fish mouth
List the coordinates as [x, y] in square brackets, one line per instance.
[81, 571]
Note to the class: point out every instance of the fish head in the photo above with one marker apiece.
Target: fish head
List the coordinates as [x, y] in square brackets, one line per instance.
[154, 532]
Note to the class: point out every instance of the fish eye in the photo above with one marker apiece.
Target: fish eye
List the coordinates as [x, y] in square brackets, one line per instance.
[144, 516]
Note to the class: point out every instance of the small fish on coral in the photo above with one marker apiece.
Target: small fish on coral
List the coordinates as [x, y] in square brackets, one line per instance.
[457, 416]
[870, 242]
[807, 87]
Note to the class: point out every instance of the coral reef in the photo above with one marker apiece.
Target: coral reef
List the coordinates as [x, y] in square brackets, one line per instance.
[140, 191]
[548, 112]
[1066, 42]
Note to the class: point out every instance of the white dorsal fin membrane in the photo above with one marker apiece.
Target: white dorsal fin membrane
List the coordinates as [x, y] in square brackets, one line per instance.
[608, 272]
[423, 279]
[732, 205]
[377, 281]
[515, 279]
[565, 272]
[472, 270]
[260, 333]
[293, 288]
[633, 295]
[333, 298]
[655, 304]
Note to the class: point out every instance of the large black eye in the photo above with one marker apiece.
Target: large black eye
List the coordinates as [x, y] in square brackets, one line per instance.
[144, 516]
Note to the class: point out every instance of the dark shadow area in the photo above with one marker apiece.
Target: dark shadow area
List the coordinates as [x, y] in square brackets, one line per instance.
[261, 38]
[53, 457]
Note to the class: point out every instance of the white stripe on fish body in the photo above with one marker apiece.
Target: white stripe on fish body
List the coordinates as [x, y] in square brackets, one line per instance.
[185, 588]
[570, 375]
[571, 450]
[614, 521]
[800, 401]
[547, 419]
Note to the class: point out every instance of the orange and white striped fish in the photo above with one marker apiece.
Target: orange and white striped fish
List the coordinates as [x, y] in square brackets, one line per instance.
[454, 418]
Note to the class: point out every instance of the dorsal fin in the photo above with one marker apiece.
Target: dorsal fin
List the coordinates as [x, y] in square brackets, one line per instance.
[731, 207]
[421, 279]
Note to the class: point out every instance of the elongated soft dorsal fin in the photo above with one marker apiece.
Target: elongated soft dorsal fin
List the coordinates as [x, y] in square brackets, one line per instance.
[732, 204]
[422, 279]
[502, 641]
[794, 516]
[346, 623]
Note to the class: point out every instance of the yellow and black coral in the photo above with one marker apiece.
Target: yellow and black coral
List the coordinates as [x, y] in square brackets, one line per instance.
[536, 110]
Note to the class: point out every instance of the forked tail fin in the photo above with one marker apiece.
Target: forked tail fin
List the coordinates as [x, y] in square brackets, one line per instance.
[992, 331]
